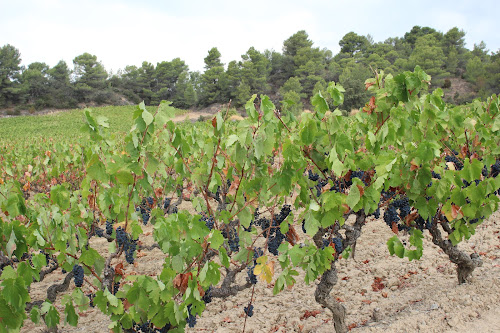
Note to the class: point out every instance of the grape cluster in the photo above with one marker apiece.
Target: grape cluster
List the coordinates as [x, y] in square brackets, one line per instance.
[249, 310]
[148, 327]
[319, 187]
[191, 319]
[435, 175]
[78, 275]
[145, 209]
[391, 215]
[207, 298]
[99, 232]
[166, 203]
[129, 244]
[453, 159]
[234, 240]
[91, 299]
[109, 227]
[258, 252]
[495, 169]
[338, 245]
[209, 221]
[312, 176]
[361, 175]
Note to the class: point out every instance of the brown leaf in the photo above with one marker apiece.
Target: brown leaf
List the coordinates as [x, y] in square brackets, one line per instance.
[456, 211]
[369, 84]
[351, 326]
[119, 269]
[377, 284]
[361, 190]
[214, 122]
[366, 301]
[414, 166]
[464, 151]
[410, 218]
[308, 314]
[395, 228]
[234, 186]
[126, 304]
[181, 281]
[291, 236]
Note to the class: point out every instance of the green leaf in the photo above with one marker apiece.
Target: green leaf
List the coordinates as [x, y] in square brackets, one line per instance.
[353, 196]
[147, 117]
[59, 195]
[34, 314]
[15, 293]
[320, 105]
[224, 259]
[308, 132]
[71, 316]
[52, 316]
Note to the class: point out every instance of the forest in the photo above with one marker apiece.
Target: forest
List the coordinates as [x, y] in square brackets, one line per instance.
[290, 78]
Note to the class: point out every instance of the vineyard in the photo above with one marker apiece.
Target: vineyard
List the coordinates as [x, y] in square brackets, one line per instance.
[156, 226]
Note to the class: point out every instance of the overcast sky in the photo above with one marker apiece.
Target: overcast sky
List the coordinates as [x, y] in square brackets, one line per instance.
[126, 32]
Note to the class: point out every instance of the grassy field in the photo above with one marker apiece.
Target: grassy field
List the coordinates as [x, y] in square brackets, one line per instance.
[65, 123]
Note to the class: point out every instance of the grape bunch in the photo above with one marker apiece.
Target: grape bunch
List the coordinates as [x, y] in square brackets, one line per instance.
[78, 275]
[166, 203]
[252, 278]
[191, 319]
[495, 169]
[249, 310]
[338, 245]
[209, 221]
[91, 299]
[148, 327]
[109, 227]
[129, 244]
[234, 240]
[453, 159]
[99, 232]
[207, 298]
[312, 176]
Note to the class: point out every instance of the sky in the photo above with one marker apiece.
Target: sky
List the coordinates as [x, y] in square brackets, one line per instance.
[126, 32]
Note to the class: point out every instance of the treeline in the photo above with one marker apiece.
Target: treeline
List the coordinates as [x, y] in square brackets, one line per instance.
[290, 77]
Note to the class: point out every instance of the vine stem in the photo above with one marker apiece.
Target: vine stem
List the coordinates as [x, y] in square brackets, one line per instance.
[246, 313]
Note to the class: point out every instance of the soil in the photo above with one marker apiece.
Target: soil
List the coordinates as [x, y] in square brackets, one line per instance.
[417, 296]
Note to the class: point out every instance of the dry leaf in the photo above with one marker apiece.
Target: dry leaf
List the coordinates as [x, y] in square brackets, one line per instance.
[377, 284]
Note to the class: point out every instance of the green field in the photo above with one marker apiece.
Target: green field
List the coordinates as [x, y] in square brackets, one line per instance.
[65, 124]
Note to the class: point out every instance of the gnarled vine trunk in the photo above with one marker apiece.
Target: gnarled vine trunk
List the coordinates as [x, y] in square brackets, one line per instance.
[465, 263]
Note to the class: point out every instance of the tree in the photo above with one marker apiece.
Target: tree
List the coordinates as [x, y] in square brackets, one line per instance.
[429, 55]
[166, 75]
[418, 31]
[90, 77]
[10, 71]
[353, 80]
[184, 95]
[353, 43]
[476, 72]
[454, 38]
[291, 93]
[61, 90]
[35, 81]
[255, 69]
[213, 82]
